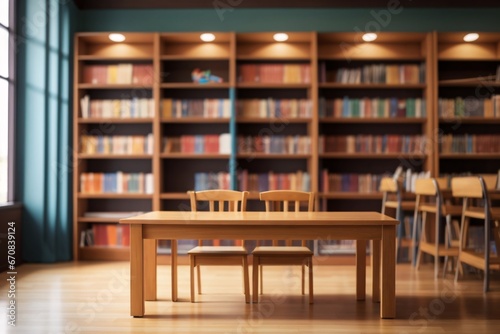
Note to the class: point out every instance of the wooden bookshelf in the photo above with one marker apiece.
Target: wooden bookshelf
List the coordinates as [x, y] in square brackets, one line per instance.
[468, 79]
[297, 92]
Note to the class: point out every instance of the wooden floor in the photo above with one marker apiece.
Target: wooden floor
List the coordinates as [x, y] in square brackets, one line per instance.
[93, 297]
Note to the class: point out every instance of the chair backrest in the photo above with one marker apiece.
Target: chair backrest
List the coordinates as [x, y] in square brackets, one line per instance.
[490, 180]
[391, 190]
[467, 187]
[281, 200]
[389, 184]
[426, 186]
[219, 200]
[443, 183]
[285, 200]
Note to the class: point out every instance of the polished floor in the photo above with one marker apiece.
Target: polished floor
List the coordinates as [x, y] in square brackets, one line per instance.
[93, 297]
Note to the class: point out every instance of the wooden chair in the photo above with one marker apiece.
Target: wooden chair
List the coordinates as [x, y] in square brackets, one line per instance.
[475, 188]
[279, 200]
[218, 200]
[430, 200]
[392, 198]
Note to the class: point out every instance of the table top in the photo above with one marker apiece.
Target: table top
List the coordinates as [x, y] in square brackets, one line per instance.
[261, 218]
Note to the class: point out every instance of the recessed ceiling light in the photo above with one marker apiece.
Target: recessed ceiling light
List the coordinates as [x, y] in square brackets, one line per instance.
[280, 37]
[471, 37]
[116, 37]
[369, 37]
[207, 37]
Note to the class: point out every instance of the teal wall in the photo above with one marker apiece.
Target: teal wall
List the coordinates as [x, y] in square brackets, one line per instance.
[43, 127]
[245, 20]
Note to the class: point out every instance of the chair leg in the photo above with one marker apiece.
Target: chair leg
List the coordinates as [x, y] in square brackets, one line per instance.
[436, 243]
[255, 279]
[245, 279]
[261, 279]
[303, 279]
[191, 278]
[198, 277]
[311, 293]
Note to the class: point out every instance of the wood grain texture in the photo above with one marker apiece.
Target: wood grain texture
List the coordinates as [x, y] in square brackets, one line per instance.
[93, 297]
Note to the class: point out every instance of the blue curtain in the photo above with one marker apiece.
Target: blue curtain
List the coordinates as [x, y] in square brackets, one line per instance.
[43, 117]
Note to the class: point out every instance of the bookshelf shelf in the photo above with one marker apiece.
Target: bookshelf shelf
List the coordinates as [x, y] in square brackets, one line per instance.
[195, 120]
[123, 58]
[114, 86]
[272, 156]
[477, 156]
[193, 85]
[253, 85]
[278, 120]
[470, 120]
[334, 85]
[193, 156]
[174, 196]
[97, 220]
[371, 156]
[114, 120]
[115, 156]
[351, 195]
[376, 120]
[114, 196]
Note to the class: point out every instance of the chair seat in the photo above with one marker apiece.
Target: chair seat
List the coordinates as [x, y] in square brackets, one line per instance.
[453, 210]
[495, 213]
[405, 205]
[431, 208]
[282, 250]
[219, 250]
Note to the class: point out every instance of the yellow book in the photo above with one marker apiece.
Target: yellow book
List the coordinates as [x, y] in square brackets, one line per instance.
[166, 109]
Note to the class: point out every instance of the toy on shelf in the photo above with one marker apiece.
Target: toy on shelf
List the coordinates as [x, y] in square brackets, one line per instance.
[203, 77]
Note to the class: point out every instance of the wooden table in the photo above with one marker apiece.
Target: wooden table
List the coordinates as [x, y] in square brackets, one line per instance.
[361, 226]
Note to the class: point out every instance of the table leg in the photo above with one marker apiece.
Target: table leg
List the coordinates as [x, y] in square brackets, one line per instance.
[388, 300]
[136, 271]
[376, 271]
[360, 269]
[150, 266]
[173, 269]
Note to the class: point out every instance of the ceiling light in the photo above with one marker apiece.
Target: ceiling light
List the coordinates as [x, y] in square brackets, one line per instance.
[280, 37]
[207, 37]
[116, 37]
[369, 37]
[471, 37]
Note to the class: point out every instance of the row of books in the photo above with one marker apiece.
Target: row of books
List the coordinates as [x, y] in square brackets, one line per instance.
[116, 183]
[274, 181]
[206, 181]
[275, 73]
[380, 73]
[371, 108]
[208, 108]
[268, 108]
[124, 73]
[117, 108]
[198, 144]
[372, 144]
[351, 182]
[367, 183]
[274, 144]
[469, 144]
[109, 235]
[117, 144]
[469, 107]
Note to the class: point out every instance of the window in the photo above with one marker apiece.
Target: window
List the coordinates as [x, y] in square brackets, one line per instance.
[6, 94]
